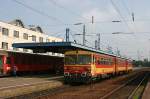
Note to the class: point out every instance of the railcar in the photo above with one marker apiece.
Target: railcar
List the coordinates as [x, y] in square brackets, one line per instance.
[85, 66]
[121, 66]
[5, 67]
[129, 65]
[29, 63]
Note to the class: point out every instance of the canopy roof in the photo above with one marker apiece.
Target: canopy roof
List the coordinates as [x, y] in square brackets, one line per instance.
[57, 47]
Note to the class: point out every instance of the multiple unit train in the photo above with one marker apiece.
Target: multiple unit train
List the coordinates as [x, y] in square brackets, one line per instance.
[84, 66]
[29, 63]
[77, 65]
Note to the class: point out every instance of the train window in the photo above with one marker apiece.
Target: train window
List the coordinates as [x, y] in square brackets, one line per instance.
[84, 59]
[104, 61]
[8, 60]
[70, 59]
[101, 61]
[94, 59]
[1, 62]
[98, 61]
[109, 61]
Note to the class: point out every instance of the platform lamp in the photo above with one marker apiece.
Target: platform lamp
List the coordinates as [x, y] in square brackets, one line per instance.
[67, 34]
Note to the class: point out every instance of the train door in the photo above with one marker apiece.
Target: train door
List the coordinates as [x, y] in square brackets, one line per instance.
[116, 65]
[93, 65]
[1, 65]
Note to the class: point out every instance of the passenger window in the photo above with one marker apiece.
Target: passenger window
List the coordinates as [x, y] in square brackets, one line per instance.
[93, 59]
[8, 60]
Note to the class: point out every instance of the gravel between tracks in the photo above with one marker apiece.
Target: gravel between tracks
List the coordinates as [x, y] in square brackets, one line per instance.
[125, 91]
[92, 91]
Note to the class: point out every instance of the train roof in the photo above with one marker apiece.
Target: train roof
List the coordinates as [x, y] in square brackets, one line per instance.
[8, 52]
[58, 47]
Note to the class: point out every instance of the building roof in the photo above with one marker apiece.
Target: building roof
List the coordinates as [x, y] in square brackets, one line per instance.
[17, 22]
[35, 28]
[57, 47]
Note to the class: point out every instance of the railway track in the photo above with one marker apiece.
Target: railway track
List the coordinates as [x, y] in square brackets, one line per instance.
[105, 89]
[132, 89]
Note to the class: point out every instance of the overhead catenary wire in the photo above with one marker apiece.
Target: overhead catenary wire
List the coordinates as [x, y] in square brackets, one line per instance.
[56, 33]
[72, 35]
[122, 17]
[38, 11]
[129, 13]
[66, 9]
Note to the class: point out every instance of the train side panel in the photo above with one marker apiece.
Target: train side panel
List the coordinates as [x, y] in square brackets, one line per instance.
[121, 66]
[35, 63]
[6, 65]
[104, 64]
[25, 62]
[129, 65]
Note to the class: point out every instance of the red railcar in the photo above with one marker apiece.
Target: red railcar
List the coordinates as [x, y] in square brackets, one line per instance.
[121, 66]
[84, 66]
[27, 62]
[129, 65]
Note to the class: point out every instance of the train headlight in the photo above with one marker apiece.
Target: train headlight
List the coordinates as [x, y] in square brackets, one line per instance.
[66, 73]
[7, 68]
[84, 74]
[65, 68]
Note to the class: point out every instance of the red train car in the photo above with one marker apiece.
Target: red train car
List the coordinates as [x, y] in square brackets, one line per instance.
[4, 63]
[104, 64]
[129, 65]
[85, 66]
[27, 62]
[121, 66]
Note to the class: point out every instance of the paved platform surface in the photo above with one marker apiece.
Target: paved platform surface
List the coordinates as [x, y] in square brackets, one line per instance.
[146, 94]
[13, 86]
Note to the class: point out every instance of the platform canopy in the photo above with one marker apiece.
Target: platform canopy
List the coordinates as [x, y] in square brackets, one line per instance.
[56, 47]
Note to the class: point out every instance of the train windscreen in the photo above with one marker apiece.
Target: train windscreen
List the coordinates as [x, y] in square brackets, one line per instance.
[70, 59]
[84, 59]
[77, 59]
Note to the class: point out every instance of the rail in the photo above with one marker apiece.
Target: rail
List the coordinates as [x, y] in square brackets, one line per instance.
[123, 85]
[136, 89]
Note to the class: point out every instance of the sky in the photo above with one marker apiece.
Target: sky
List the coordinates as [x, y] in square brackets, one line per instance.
[54, 16]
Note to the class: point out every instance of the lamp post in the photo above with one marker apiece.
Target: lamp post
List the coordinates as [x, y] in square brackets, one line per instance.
[67, 34]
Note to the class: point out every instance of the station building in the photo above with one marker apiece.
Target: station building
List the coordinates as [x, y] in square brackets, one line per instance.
[16, 32]
[24, 60]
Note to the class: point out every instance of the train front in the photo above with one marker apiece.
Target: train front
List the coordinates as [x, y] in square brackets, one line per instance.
[77, 67]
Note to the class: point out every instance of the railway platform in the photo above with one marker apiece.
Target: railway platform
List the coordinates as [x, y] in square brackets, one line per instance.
[146, 94]
[15, 86]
